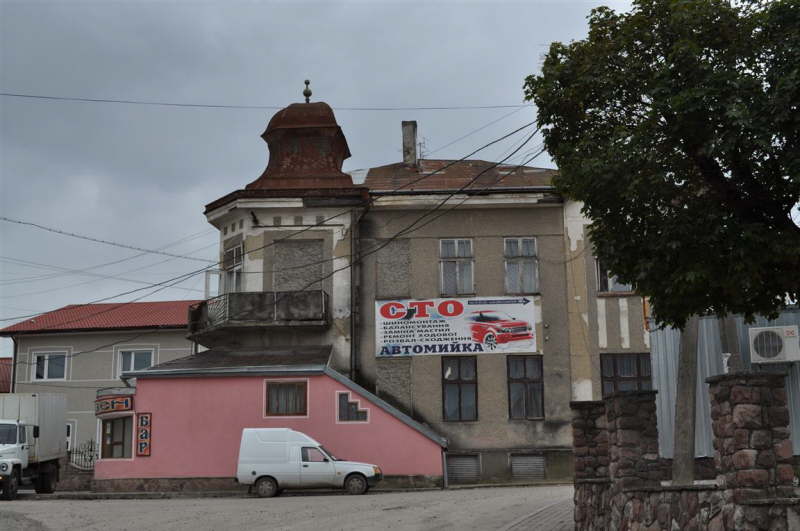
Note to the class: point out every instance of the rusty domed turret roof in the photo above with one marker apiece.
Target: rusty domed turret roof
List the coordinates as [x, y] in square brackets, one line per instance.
[306, 149]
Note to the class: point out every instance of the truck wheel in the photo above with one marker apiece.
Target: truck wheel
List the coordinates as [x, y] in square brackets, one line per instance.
[355, 484]
[266, 487]
[45, 483]
[10, 486]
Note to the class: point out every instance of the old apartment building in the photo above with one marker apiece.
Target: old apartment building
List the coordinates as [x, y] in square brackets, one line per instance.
[465, 293]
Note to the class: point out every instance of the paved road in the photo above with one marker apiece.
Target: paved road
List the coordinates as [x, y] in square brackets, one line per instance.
[502, 508]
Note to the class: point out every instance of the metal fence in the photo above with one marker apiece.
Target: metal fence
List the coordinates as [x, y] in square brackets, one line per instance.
[84, 456]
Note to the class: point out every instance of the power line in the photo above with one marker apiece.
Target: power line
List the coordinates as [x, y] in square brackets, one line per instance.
[481, 128]
[185, 276]
[268, 107]
[97, 240]
[78, 272]
[190, 237]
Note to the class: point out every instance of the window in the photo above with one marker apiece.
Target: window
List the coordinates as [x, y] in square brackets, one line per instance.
[522, 273]
[232, 265]
[459, 388]
[50, 366]
[69, 436]
[286, 399]
[348, 411]
[117, 438]
[312, 455]
[525, 387]
[21, 438]
[456, 266]
[625, 372]
[135, 360]
[606, 282]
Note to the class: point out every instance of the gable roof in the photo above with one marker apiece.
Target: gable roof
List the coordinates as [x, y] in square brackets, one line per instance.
[106, 316]
[500, 177]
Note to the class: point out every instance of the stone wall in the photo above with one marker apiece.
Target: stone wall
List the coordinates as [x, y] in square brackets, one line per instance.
[753, 463]
[753, 449]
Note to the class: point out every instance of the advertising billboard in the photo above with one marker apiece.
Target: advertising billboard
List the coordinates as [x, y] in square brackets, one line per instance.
[414, 327]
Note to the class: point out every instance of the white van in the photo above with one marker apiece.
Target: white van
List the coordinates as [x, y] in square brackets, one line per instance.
[271, 459]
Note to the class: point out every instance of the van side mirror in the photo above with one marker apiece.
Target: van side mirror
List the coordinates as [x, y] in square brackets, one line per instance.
[36, 432]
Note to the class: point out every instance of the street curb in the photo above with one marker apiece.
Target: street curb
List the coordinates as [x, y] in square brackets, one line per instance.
[161, 495]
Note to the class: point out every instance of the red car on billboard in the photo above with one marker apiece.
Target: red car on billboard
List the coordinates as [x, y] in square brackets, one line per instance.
[491, 328]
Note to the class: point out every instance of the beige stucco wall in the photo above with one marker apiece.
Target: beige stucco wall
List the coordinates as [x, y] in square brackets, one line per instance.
[92, 363]
[487, 227]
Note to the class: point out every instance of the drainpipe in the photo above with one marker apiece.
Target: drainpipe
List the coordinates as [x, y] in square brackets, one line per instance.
[354, 306]
[14, 365]
[445, 480]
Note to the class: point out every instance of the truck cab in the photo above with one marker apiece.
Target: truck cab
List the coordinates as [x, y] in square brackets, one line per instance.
[15, 448]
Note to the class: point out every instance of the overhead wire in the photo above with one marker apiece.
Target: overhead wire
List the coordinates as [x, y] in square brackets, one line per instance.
[305, 229]
[98, 240]
[267, 107]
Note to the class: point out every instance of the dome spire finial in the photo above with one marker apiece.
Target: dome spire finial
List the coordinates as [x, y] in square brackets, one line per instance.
[307, 91]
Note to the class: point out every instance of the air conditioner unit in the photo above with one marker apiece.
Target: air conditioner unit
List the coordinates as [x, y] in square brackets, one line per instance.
[774, 344]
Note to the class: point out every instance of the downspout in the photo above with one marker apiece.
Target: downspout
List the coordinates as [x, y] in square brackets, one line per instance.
[14, 365]
[354, 306]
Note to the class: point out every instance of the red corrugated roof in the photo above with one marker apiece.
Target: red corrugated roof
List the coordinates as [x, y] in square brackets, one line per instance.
[5, 375]
[161, 314]
[436, 175]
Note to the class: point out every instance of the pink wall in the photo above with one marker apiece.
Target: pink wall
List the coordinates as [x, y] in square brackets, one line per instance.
[197, 426]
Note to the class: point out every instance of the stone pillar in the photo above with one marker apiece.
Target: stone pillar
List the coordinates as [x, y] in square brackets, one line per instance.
[752, 445]
[752, 449]
[633, 439]
[590, 439]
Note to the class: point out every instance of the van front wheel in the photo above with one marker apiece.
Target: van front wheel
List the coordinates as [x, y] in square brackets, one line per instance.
[266, 487]
[355, 484]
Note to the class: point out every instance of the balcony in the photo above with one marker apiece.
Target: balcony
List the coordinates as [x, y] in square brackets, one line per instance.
[212, 320]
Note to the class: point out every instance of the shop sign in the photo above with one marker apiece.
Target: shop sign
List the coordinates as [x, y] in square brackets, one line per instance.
[113, 404]
[144, 429]
[413, 327]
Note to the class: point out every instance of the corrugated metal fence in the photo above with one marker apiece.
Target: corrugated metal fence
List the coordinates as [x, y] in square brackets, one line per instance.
[665, 345]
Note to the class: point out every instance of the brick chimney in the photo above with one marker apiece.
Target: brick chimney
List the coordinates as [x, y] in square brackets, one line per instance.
[410, 143]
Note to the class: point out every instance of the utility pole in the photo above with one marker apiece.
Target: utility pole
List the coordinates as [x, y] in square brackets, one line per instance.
[686, 406]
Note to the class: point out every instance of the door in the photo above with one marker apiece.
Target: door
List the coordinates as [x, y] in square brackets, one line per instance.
[316, 470]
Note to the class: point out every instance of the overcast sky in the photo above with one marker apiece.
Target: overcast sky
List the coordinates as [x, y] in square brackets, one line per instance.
[141, 175]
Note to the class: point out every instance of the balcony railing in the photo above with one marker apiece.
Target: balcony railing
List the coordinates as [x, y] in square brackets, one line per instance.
[260, 309]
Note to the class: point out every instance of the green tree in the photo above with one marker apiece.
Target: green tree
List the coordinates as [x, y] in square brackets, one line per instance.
[677, 125]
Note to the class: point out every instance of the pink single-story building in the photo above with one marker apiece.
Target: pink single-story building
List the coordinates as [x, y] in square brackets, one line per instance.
[180, 427]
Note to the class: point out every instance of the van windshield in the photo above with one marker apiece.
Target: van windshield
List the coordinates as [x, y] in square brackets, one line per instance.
[329, 453]
[8, 434]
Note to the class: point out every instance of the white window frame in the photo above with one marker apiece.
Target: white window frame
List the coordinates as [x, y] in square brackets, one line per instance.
[233, 269]
[521, 259]
[133, 350]
[612, 285]
[46, 355]
[70, 437]
[457, 259]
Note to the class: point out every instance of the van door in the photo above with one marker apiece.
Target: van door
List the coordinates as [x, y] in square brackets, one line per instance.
[316, 470]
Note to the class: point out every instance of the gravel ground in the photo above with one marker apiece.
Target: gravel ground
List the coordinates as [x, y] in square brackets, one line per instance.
[503, 508]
